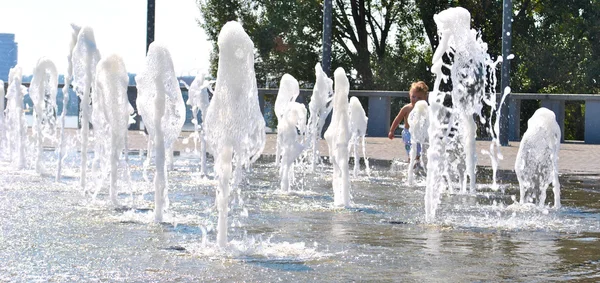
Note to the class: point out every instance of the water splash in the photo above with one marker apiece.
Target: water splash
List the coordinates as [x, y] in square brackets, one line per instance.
[536, 164]
[338, 137]
[235, 127]
[452, 131]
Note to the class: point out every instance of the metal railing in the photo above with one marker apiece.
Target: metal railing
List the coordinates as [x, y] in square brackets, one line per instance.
[380, 106]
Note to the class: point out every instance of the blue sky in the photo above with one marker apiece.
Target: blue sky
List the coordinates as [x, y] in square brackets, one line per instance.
[42, 28]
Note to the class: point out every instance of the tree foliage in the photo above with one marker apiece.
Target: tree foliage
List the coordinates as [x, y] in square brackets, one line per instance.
[388, 44]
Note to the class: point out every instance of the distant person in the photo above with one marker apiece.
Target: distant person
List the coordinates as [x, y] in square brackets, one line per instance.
[418, 91]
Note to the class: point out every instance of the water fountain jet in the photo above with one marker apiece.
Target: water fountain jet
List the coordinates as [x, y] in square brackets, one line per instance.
[358, 128]
[161, 106]
[235, 127]
[110, 117]
[198, 98]
[84, 59]
[17, 127]
[65, 91]
[453, 130]
[338, 137]
[536, 164]
[319, 108]
[42, 91]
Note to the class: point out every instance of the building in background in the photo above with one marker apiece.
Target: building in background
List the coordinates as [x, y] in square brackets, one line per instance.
[8, 54]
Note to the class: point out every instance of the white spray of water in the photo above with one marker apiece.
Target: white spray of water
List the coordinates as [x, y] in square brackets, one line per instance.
[291, 116]
[65, 91]
[85, 57]
[468, 71]
[358, 130]
[319, 107]
[17, 127]
[418, 119]
[235, 127]
[161, 106]
[198, 98]
[536, 164]
[42, 91]
[338, 137]
[110, 117]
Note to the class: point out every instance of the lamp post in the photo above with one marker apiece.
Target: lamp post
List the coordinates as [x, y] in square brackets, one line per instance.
[327, 16]
[505, 75]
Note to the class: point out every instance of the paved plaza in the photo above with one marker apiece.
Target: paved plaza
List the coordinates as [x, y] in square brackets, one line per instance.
[575, 158]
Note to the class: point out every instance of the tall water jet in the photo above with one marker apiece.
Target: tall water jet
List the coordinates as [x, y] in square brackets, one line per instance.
[17, 127]
[291, 117]
[84, 58]
[110, 117]
[536, 164]
[235, 127]
[289, 89]
[418, 119]
[198, 98]
[358, 130]
[468, 71]
[161, 106]
[42, 91]
[65, 91]
[319, 108]
[338, 137]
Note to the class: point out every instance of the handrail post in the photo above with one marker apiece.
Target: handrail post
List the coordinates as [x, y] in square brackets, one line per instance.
[514, 118]
[378, 124]
[592, 122]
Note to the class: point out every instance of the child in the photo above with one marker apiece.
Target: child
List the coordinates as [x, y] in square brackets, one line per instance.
[418, 91]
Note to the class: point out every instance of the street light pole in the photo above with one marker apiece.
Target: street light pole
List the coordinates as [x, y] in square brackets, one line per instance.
[505, 75]
[150, 23]
[327, 19]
